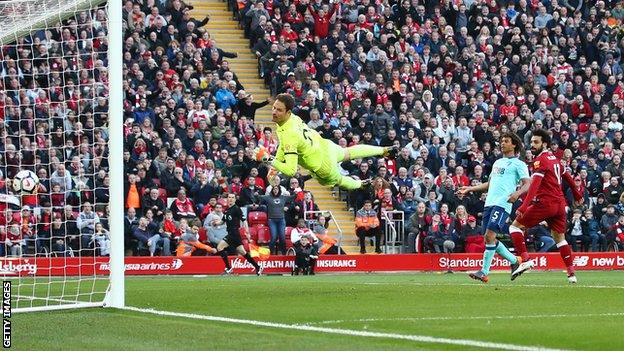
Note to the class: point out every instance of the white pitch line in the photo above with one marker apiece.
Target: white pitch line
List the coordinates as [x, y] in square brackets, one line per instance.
[574, 286]
[349, 332]
[416, 319]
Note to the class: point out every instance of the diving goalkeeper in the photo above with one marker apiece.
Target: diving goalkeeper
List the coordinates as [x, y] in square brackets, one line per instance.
[300, 145]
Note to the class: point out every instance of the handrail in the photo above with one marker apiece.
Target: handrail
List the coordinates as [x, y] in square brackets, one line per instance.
[396, 237]
[331, 215]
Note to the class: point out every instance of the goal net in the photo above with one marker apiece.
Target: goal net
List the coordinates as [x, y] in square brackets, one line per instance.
[58, 240]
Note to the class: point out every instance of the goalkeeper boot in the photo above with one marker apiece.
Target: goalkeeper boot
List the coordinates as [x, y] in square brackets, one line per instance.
[479, 275]
[391, 152]
[523, 267]
[227, 271]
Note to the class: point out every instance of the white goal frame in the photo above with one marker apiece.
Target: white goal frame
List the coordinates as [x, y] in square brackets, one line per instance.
[115, 294]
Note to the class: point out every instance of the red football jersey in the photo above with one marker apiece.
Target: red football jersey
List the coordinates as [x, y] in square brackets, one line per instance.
[549, 167]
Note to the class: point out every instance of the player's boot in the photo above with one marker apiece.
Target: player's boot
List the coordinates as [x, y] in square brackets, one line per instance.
[515, 266]
[523, 267]
[479, 276]
[572, 279]
[259, 271]
[227, 271]
[391, 152]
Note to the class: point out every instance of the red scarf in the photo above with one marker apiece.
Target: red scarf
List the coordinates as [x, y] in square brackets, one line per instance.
[236, 188]
[184, 206]
[191, 171]
[169, 226]
[446, 220]
[387, 204]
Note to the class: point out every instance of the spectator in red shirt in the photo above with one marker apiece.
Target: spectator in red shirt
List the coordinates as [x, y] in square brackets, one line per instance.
[580, 109]
[509, 107]
[460, 179]
[288, 34]
[321, 20]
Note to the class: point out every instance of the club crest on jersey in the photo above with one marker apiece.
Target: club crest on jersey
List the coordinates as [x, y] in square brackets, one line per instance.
[536, 164]
[290, 148]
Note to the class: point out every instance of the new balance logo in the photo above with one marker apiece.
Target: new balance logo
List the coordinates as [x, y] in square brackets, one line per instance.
[580, 261]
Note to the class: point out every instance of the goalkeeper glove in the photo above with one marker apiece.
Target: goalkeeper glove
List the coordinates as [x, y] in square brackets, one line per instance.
[261, 154]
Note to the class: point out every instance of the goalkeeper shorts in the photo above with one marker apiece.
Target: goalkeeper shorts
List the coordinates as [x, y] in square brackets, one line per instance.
[328, 174]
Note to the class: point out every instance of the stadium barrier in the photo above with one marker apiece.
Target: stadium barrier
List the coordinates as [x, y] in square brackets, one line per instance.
[73, 266]
[394, 234]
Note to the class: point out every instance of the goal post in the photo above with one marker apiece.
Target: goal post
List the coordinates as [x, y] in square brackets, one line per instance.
[61, 103]
[116, 294]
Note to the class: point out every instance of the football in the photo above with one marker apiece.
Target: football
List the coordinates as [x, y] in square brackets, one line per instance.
[25, 182]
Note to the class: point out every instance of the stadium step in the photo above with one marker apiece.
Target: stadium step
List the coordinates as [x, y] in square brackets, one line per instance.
[354, 248]
[327, 202]
[229, 36]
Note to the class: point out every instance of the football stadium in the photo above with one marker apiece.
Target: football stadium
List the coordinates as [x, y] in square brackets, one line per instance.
[315, 175]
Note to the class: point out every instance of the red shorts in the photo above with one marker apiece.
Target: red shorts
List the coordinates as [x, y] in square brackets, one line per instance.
[554, 213]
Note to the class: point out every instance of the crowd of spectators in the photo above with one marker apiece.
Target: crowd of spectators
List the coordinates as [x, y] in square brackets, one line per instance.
[442, 80]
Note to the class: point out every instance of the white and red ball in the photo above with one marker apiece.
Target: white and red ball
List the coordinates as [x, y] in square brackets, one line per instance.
[25, 182]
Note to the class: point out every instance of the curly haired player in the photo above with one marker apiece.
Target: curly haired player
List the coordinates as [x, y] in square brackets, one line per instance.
[507, 173]
[300, 145]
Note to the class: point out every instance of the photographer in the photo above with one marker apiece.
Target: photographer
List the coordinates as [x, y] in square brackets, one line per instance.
[306, 254]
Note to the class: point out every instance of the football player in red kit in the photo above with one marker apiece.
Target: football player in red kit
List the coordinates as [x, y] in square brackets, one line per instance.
[544, 201]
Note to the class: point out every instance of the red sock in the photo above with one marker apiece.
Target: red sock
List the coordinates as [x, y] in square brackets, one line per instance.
[519, 244]
[566, 255]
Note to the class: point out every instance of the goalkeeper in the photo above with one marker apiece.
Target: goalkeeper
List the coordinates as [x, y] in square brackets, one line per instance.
[300, 145]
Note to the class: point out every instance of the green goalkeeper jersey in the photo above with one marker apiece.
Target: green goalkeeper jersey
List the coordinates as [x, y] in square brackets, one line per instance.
[298, 144]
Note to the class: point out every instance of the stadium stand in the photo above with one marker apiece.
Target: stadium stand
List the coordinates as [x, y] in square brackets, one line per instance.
[440, 79]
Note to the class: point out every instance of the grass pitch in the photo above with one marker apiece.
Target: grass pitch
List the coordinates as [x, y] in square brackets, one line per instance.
[537, 310]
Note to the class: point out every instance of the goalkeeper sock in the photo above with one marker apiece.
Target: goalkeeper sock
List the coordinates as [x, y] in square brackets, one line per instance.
[502, 251]
[362, 151]
[488, 255]
[224, 256]
[252, 261]
[349, 183]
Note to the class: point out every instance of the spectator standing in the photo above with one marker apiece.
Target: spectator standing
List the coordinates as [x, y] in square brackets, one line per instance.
[276, 206]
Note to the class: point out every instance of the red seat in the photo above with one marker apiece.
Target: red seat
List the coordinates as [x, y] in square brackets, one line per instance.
[264, 235]
[242, 232]
[253, 233]
[289, 243]
[256, 218]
